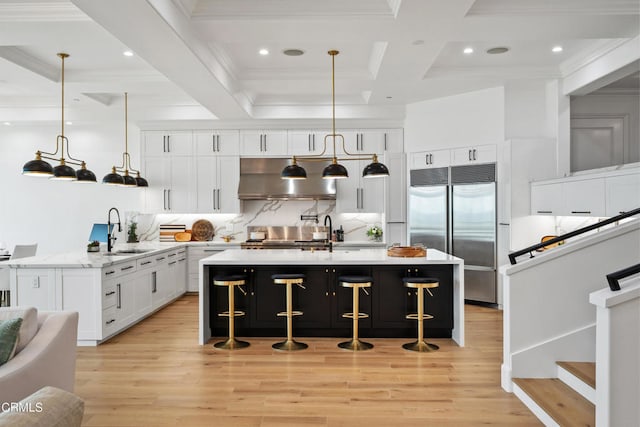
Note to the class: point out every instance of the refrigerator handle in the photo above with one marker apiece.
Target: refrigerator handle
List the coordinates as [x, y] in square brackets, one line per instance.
[449, 243]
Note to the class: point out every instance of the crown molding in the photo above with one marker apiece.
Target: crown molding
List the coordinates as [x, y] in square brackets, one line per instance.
[553, 7]
[576, 62]
[21, 58]
[375, 59]
[62, 11]
[506, 73]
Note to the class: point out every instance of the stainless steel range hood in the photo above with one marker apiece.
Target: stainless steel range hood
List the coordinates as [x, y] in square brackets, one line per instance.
[260, 180]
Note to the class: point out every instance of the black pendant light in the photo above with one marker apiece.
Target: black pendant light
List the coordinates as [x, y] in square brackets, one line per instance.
[114, 178]
[375, 169]
[334, 170]
[293, 171]
[62, 172]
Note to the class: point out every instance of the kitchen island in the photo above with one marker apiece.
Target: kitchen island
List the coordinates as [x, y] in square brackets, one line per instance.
[324, 301]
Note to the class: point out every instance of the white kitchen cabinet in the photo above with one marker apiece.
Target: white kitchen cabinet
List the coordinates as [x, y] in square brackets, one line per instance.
[362, 141]
[307, 142]
[263, 143]
[585, 197]
[430, 159]
[195, 254]
[358, 194]
[394, 141]
[474, 154]
[622, 193]
[108, 299]
[170, 184]
[217, 184]
[546, 199]
[395, 187]
[218, 142]
[165, 143]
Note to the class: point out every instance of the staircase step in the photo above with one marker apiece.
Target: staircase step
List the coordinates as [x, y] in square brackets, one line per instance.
[559, 401]
[585, 371]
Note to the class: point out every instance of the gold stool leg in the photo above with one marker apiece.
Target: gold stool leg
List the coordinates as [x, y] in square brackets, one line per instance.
[231, 343]
[289, 344]
[355, 344]
[420, 345]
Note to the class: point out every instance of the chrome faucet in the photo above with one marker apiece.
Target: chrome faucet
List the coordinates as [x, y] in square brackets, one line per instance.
[111, 238]
[327, 217]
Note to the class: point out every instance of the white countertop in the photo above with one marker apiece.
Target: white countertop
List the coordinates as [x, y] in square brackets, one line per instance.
[341, 256]
[84, 259]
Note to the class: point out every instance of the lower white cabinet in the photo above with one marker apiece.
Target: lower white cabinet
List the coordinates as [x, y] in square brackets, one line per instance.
[195, 254]
[108, 299]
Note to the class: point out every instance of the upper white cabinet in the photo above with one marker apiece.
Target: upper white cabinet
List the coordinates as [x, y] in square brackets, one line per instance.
[263, 143]
[430, 159]
[307, 142]
[358, 194]
[394, 141]
[583, 197]
[170, 184]
[162, 143]
[362, 141]
[217, 184]
[395, 185]
[546, 199]
[607, 193]
[218, 142]
[476, 154]
[622, 193]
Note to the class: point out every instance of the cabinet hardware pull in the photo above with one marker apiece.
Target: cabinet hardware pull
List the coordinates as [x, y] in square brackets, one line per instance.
[385, 141]
[213, 143]
[164, 144]
[110, 321]
[475, 154]
[109, 272]
[182, 259]
[160, 259]
[109, 293]
[170, 255]
[314, 142]
[326, 270]
[168, 143]
[218, 143]
[430, 159]
[334, 293]
[129, 267]
[309, 141]
[154, 282]
[544, 212]
[326, 294]
[219, 199]
[169, 199]
[580, 212]
[426, 159]
[119, 296]
[265, 143]
[145, 263]
[172, 262]
[469, 155]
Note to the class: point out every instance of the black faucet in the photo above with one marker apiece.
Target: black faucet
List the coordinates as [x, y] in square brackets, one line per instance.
[327, 217]
[109, 236]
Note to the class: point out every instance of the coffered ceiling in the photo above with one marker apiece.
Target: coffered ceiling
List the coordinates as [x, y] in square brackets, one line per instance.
[200, 60]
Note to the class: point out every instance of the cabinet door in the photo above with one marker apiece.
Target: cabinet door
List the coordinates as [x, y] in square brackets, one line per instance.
[396, 187]
[430, 159]
[348, 191]
[222, 142]
[142, 290]
[371, 141]
[306, 142]
[179, 196]
[546, 199]
[314, 300]
[622, 194]
[158, 173]
[181, 273]
[342, 299]
[228, 177]
[372, 192]
[34, 287]
[162, 143]
[476, 154]
[584, 197]
[206, 183]
[394, 141]
[219, 302]
[260, 143]
[391, 300]
[125, 300]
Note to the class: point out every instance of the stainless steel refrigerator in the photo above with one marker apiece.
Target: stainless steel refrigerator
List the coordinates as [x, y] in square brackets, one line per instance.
[453, 209]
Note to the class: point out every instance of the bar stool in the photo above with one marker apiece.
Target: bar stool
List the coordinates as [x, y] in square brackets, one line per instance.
[289, 280]
[356, 283]
[231, 281]
[420, 283]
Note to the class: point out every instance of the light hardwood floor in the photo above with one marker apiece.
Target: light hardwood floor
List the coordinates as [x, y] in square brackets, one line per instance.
[156, 374]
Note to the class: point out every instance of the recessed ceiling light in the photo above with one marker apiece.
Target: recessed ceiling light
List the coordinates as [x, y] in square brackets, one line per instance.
[389, 97]
[497, 50]
[556, 49]
[7, 123]
[417, 42]
[293, 52]
[127, 53]
[69, 123]
[263, 52]
[468, 50]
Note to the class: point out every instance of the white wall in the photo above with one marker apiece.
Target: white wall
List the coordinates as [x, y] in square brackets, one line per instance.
[471, 118]
[59, 215]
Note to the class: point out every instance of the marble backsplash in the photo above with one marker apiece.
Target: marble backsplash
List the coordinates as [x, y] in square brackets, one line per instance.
[261, 212]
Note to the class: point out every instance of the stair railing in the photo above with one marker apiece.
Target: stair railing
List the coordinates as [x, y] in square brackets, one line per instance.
[529, 250]
[615, 277]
